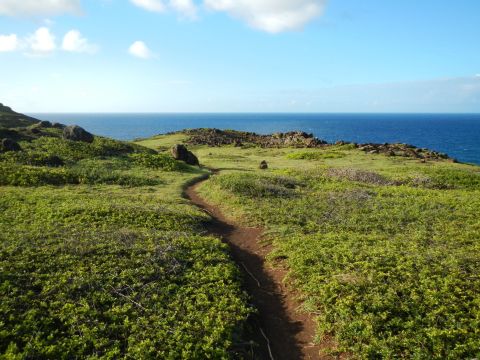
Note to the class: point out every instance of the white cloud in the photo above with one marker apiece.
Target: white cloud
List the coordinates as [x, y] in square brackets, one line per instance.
[9, 43]
[38, 7]
[140, 49]
[185, 7]
[73, 41]
[42, 41]
[150, 5]
[273, 16]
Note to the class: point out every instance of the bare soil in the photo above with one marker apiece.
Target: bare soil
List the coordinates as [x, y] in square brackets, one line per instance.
[280, 329]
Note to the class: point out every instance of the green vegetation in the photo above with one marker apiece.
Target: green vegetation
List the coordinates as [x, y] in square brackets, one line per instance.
[315, 155]
[101, 257]
[385, 250]
[11, 119]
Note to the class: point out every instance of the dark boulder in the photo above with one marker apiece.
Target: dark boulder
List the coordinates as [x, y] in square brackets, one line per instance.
[44, 124]
[180, 152]
[34, 130]
[76, 133]
[9, 145]
[263, 165]
[58, 126]
[192, 159]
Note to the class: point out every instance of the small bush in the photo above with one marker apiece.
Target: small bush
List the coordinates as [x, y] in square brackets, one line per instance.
[318, 155]
[259, 186]
[23, 175]
[351, 174]
[32, 158]
[18, 175]
[158, 161]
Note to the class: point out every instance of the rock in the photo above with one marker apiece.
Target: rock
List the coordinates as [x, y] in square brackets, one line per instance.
[263, 165]
[180, 152]
[58, 126]
[44, 124]
[215, 137]
[76, 133]
[192, 159]
[9, 145]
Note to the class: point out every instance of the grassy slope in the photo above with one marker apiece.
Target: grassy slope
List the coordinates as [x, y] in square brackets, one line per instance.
[102, 258]
[385, 250]
[11, 119]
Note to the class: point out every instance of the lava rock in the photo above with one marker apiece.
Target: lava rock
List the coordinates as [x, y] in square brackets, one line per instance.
[9, 145]
[76, 133]
[180, 152]
[216, 137]
[263, 165]
[44, 124]
[58, 126]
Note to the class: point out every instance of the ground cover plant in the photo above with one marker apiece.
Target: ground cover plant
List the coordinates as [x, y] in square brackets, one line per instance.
[101, 257]
[384, 250]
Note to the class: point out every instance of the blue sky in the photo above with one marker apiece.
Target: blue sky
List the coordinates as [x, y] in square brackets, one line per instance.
[240, 55]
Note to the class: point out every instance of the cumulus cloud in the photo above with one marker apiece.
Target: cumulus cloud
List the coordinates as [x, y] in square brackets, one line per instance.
[150, 5]
[9, 43]
[184, 7]
[42, 41]
[140, 49]
[38, 7]
[273, 16]
[73, 41]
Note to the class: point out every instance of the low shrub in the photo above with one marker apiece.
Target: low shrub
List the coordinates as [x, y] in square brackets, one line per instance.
[158, 161]
[23, 175]
[317, 155]
[363, 176]
[257, 185]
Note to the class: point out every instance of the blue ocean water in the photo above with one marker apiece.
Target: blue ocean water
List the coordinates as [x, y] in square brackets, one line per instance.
[455, 134]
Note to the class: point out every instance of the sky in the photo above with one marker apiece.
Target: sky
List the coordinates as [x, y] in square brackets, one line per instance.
[240, 55]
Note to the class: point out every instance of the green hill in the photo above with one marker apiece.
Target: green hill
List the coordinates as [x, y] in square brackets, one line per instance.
[12, 119]
[101, 257]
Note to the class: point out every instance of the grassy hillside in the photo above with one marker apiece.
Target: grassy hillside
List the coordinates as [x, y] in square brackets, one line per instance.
[12, 119]
[384, 249]
[101, 257]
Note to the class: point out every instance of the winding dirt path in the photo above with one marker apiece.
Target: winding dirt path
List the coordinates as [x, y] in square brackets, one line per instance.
[281, 331]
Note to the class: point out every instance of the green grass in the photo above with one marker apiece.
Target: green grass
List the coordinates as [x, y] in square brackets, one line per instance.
[385, 251]
[101, 257]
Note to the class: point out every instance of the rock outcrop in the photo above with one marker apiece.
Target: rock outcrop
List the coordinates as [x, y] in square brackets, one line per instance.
[216, 137]
[403, 150]
[9, 145]
[76, 133]
[180, 152]
[299, 139]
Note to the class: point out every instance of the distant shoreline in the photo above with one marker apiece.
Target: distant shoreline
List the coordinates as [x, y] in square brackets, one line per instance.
[453, 134]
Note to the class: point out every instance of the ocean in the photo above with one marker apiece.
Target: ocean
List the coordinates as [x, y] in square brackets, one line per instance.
[458, 135]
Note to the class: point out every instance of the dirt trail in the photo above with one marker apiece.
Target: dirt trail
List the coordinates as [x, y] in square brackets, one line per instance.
[281, 331]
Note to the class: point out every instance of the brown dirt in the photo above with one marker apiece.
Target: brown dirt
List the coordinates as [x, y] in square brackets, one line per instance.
[280, 329]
